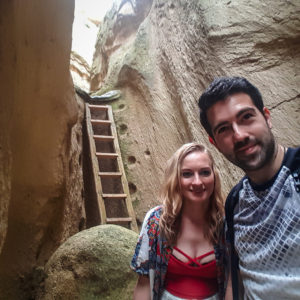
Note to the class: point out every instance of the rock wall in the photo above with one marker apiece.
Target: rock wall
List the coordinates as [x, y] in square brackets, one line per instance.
[80, 71]
[162, 54]
[40, 119]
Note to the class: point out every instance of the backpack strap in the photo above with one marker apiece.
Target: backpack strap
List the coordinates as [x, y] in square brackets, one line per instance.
[293, 163]
[231, 201]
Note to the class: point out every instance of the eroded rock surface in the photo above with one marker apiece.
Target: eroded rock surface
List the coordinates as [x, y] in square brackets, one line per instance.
[80, 71]
[40, 153]
[163, 54]
[93, 264]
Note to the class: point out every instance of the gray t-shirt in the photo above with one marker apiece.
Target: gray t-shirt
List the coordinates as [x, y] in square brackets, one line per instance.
[267, 238]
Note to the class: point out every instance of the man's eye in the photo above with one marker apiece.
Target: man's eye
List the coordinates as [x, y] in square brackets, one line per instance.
[186, 174]
[247, 116]
[222, 129]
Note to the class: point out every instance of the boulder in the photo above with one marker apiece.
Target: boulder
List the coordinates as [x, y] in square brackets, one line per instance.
[92, 264]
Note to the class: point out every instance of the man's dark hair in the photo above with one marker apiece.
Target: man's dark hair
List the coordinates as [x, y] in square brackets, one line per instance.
[220, 89]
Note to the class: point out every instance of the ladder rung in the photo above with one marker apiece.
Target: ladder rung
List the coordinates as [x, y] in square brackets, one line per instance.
[106, 155]
[110, 174]
[117, 220]
[100, 107]
[120, 196]
[101, 122]
[103, 137]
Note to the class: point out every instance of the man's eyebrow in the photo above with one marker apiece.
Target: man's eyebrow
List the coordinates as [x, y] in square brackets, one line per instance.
[246, 109]
[242, 111]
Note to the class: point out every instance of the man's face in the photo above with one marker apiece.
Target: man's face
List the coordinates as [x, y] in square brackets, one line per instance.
[241, 132]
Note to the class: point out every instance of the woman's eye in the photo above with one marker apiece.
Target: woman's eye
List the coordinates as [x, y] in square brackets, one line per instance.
[186, 174]
[205, 173]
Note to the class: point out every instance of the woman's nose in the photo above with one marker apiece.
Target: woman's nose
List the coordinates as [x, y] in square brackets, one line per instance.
[197, 180]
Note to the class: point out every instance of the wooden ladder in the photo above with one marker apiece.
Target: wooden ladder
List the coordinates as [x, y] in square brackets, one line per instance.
[111, 186]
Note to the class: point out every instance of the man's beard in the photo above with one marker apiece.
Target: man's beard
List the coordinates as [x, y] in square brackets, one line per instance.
[257, 160]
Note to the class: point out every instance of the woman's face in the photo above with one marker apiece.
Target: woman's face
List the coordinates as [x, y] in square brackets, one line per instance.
[196, 177]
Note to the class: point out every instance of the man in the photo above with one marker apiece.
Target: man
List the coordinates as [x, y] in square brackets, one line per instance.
[265, 235]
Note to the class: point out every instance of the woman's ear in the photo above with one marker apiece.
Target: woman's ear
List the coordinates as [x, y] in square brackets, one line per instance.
[267, 116]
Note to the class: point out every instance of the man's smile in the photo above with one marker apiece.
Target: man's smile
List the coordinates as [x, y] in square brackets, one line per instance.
[247, 149]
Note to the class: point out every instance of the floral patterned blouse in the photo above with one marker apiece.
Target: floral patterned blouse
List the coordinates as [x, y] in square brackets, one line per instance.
[152, 255]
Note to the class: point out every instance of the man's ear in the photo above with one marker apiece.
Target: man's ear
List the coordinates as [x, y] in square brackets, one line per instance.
[211, 140]
[267, 116]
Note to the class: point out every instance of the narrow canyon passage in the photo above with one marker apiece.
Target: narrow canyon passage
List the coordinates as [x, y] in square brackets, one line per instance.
[159, 56]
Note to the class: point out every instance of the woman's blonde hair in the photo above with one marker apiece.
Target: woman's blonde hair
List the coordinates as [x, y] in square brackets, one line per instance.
[170, 196]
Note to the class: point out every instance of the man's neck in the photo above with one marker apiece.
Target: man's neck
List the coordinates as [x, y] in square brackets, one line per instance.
[267, 172]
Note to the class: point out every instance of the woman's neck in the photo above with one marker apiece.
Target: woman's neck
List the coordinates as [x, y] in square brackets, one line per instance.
[194, 213]
[193, 226]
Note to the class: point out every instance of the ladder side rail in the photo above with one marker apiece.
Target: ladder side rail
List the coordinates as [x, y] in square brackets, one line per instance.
[121, 169]
[95, 167]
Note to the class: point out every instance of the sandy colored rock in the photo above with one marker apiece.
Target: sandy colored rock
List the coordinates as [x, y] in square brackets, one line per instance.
[93, 264]
[40, 154]
[7, 73]
[80, 71]
[163, 54]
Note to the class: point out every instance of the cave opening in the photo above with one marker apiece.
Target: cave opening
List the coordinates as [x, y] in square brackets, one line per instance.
[88, 15]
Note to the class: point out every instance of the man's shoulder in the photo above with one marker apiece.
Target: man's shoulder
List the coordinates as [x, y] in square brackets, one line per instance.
[234, 193]
[231, 201]
[291, 161]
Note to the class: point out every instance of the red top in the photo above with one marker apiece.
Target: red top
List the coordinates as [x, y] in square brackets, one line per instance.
[191, 280]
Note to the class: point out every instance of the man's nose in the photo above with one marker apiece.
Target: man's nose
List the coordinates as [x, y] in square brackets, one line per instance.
[238, 133]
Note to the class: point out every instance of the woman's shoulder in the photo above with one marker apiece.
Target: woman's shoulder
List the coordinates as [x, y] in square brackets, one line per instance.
[154, 213]
[150, 225]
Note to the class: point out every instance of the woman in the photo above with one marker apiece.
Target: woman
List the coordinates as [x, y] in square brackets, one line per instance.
[180, 253]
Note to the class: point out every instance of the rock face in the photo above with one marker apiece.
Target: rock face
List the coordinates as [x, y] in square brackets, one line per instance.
[162, 54]
[93, 264]
[80, 71]
[40, 153]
